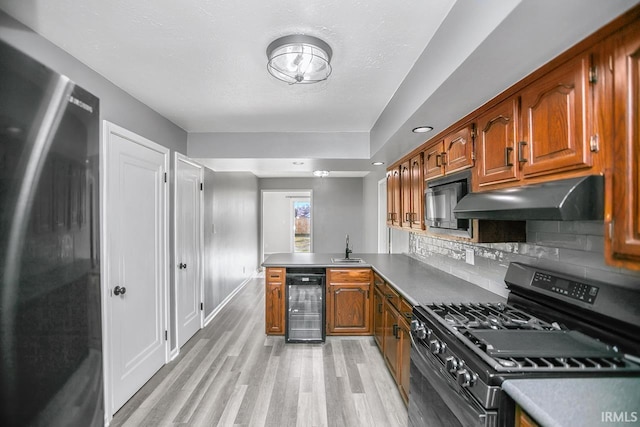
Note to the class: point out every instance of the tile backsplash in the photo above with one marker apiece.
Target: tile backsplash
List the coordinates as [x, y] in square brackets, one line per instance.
[575, 247]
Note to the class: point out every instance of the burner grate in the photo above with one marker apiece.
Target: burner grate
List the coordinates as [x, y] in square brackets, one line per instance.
[488, 316]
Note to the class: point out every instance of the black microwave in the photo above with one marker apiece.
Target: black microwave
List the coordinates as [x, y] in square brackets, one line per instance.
[441, 197]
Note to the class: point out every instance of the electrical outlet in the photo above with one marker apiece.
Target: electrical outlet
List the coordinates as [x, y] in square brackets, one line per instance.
[470, 257]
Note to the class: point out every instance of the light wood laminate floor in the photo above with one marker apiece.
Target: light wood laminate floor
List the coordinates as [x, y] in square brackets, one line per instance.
[231, 374]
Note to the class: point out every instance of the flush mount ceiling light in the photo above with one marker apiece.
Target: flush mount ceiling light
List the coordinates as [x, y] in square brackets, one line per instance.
[422, 129]
[377, 163]
[321, 174]
[298, 58]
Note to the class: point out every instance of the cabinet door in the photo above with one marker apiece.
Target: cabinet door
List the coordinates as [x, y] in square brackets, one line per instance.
[393, 197]
[458, 150]
[405, 194]
[378, 318]
[417, 193]
[623, 183]
[404, 361]
[349, 309]
[391, 342]
[433, 160]
[496, 144]
[274, 299]
[555, 110]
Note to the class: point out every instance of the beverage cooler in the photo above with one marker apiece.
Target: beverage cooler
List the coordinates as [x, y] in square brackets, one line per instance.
[305, 305]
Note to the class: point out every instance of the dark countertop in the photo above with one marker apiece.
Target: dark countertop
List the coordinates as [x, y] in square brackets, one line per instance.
[584, 402]
[416, 281]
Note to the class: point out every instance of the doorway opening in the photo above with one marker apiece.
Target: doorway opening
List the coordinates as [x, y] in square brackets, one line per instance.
[287, 221]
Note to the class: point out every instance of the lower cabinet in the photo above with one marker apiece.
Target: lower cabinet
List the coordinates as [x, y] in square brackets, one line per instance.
[378, 313]
[523, 419]
[391, 319]
[349, 301]
[274, 298]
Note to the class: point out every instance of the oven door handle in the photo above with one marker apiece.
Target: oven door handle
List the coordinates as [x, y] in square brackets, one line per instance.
[479, 413]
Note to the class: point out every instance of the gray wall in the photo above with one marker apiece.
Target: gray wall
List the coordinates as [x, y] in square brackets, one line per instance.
[337, 209]
[231, 218]
[575, 247]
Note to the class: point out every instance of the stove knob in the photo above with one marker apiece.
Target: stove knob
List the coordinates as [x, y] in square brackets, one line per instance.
[453, 364]
[466, 378]
[421, 331]
[436, 346]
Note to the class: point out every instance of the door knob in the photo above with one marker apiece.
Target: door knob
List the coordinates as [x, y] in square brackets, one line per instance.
[119, 290]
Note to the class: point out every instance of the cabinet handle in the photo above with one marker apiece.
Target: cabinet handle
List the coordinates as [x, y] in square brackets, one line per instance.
[521, 157]
[389, 296]
[406, 217]
[507, 156]
[367, 294]
[438, 160]
[380, 308]
[444, 158]
[395, 331]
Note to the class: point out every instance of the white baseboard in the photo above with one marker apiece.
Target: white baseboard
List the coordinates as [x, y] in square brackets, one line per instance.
[229, 297]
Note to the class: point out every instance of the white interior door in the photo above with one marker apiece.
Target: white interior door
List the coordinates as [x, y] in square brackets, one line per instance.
[136, 227]
[188, 253]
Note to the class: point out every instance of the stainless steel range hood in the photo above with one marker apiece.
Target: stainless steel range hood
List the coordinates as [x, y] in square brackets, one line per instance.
[573, 199]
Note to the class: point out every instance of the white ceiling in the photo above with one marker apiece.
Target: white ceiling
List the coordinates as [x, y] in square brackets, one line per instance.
[202, 65]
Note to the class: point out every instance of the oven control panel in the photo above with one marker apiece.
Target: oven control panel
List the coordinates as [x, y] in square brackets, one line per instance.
[569, 288]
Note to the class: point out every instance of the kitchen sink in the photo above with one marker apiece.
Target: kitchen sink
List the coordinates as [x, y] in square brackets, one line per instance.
[347, 260]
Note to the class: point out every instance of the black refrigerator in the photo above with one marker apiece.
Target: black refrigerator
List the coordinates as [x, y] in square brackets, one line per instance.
[50, 311]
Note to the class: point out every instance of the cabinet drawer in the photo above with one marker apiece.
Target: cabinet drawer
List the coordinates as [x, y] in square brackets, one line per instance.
[393, 297]
[275, 274]
[406, 310]
[350, 275]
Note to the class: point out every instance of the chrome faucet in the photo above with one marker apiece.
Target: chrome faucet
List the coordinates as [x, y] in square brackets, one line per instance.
[347, 251]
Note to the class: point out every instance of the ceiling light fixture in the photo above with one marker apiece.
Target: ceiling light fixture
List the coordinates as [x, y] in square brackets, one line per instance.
[299, 58]
[377, 163]
[422, 129]
[321, 174]
[298, 163]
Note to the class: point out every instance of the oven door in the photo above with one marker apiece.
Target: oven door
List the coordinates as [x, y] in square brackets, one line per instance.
[437, 399]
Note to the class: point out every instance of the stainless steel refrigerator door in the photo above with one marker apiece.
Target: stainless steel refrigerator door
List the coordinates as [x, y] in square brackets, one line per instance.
[50, 321]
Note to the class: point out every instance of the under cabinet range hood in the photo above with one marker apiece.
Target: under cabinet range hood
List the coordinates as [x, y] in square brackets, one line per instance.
[573, 199]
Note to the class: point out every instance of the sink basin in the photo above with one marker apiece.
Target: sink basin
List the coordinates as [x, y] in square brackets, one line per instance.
[347, 260]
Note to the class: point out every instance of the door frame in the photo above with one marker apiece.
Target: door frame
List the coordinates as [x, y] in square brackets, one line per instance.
[182, 158]
[109, 128]
[275, 190]
[384, 240]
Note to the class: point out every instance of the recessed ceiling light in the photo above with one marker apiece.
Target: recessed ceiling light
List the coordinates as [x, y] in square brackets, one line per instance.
[321, 174]
[298, 163]
[377, 163]
[422, 129]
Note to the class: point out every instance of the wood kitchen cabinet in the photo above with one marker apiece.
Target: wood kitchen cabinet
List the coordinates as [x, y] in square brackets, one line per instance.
[496, 144]
[622, 204]
[453, 153]
[349, 301]
[274, 297]
[523, 419]
[396, 345]
[393, 197]
[412, 194]
[555, 128]
[405, 194]
[379, 287]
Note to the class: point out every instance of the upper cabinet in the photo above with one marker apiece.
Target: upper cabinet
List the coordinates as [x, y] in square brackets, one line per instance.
[451, 154]
[622, 204]
[555, 118]
[393, 196]
[496, 144]
[405, 194]
[416, 217]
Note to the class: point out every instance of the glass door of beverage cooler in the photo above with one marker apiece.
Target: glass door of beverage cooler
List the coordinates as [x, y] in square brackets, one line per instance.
[305, 308]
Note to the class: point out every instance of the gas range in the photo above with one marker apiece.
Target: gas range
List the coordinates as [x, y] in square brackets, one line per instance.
[552, 325]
